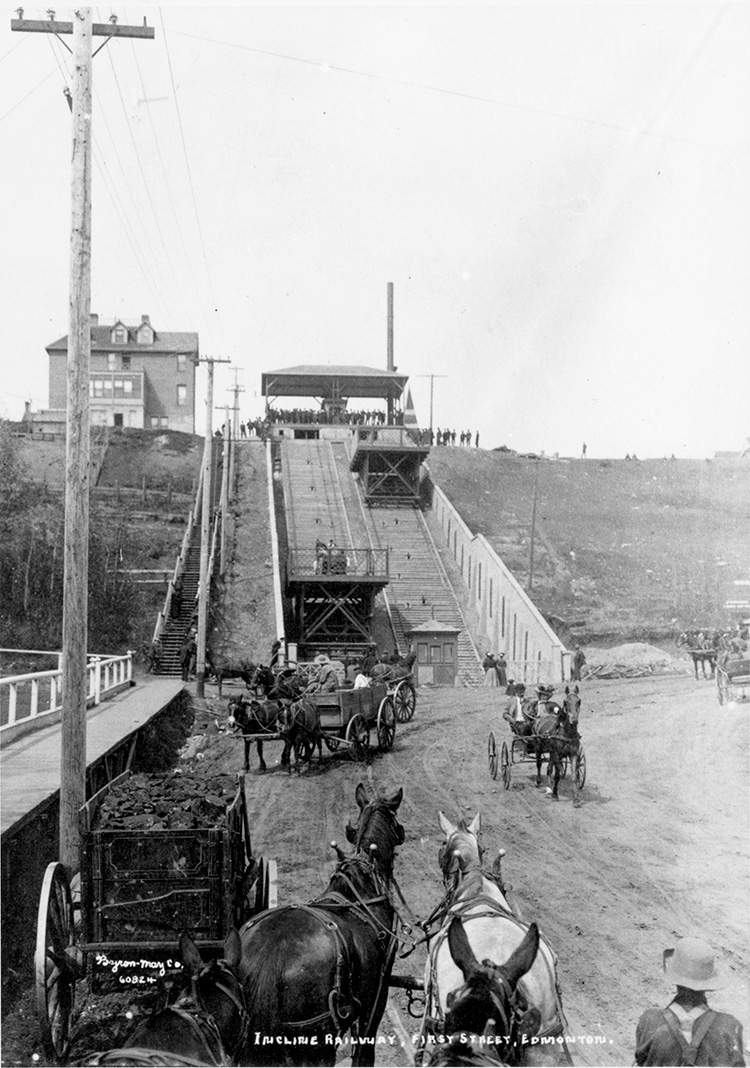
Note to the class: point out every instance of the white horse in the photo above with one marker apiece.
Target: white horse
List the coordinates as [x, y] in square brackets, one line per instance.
[537, 1025]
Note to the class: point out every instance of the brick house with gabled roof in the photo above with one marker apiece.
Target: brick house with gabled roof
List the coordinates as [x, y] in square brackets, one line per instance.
[139, 377]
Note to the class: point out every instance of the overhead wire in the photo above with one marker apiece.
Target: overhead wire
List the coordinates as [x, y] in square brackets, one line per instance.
[139, 161]
[191, 183]
[433, 88]
[167, 183]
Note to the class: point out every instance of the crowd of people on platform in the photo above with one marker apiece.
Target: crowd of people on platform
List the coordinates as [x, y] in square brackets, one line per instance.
[448, 437]
[335, 415]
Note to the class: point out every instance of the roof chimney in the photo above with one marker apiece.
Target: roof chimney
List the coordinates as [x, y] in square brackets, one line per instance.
[94, 319]
[146, 319]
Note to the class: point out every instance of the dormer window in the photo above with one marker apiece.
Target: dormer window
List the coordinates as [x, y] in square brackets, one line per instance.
[145, 334]
[119, 335]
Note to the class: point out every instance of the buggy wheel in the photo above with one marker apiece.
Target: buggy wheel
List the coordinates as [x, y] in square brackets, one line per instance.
[386, 725]
[580, 767]
[405, 698]
[505, 765]
[54, 964]
[332, 742]
[358, 737]
[492, 755]
[267, 890]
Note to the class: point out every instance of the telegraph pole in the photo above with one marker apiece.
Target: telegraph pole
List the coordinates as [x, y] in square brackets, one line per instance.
[205, 578]
[533, 527]
[390, 364]
[432, 383]
[78, 445]
[236, 389]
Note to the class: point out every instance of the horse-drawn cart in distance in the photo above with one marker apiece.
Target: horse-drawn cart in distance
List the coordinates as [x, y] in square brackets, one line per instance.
[348, 716]
[733, 678]
[139, 887]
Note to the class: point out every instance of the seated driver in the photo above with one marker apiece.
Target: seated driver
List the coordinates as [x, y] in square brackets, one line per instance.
[514, 713]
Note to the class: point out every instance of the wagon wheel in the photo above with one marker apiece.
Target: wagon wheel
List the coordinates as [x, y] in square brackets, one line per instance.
[492, 755]
[386, 724]
[266, 888]
[54, 965]
[358, 737]
[580, 767]
[505, 765]
[405, 697]
[332, 742]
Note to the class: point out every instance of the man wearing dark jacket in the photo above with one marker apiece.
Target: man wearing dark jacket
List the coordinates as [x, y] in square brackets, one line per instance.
[688, 1031]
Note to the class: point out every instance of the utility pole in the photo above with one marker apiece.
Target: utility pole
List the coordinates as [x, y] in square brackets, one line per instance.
[432, 383]
[390, 364]
[78, 444]
[533, 528]
[236, 389]
[205, 578]
[228, 451]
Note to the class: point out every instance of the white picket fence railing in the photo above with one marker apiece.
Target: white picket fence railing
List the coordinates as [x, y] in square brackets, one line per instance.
[32, 697]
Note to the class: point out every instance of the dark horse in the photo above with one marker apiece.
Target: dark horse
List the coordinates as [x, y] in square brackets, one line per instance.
[257, 720]
[206, 1025]
[557, 738]
[299, 724]
[483, 1023]
[312, 973]
[222, 668]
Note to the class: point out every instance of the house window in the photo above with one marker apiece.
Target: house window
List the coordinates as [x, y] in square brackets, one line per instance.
[164, 420]
[181, 396]
[119, 335]
[111, 361]
[154, 421]
[127, 385]
[448, 654]
[126, 363]
[145, 336]
[181, 361]
[422, 652]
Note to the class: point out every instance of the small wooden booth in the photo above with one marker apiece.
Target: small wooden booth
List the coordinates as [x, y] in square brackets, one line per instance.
[436, 646]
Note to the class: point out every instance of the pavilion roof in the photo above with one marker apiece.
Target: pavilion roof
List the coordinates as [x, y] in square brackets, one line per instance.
[332, 381]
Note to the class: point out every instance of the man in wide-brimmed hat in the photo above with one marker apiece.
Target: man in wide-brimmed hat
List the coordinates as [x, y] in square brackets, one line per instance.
[687, 1031]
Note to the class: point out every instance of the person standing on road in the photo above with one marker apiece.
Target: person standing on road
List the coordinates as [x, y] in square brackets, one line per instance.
[687, 1031]
[578, 661]
[490, 670]
[501, 667]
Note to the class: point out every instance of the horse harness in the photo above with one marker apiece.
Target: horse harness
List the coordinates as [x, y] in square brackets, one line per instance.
[202, 1025]
[516, 998]
[343, 1009]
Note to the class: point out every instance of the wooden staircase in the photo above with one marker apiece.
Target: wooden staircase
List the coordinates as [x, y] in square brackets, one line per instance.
[176, 627]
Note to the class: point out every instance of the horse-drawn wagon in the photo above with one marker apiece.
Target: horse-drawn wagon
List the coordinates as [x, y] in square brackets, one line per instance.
[138, 888]
[733, 678]
[558, 742]
[347, 718]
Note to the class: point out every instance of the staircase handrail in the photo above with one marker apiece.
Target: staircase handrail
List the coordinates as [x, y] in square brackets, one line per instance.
[179, 567]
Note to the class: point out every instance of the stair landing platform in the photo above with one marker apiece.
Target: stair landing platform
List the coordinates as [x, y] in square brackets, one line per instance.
[30, 766]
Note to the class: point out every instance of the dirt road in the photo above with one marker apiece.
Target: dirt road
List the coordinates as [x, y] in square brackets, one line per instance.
[658, 848]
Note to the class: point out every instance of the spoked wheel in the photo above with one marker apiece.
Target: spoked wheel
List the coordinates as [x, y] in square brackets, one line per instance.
[505, 765]
[332, 742]
[358, 736]
[386, 725]
[405, 698]
[54, 962]
[266, 888]
[580, 767]
[492, 755]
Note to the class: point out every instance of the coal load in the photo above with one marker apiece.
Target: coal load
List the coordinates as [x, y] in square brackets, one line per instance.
[163, 803]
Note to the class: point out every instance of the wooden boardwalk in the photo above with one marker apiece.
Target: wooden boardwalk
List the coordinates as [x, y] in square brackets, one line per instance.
[30, 766]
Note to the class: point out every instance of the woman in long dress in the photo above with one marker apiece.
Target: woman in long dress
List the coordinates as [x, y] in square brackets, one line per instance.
[490, 670]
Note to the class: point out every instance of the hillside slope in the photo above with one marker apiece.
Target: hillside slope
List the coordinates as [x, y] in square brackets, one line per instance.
[623, 548]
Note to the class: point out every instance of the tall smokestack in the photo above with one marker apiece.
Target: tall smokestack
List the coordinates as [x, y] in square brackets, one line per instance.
[390, 364]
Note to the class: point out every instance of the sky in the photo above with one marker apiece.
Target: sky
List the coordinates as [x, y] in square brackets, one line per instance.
[558, 192]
